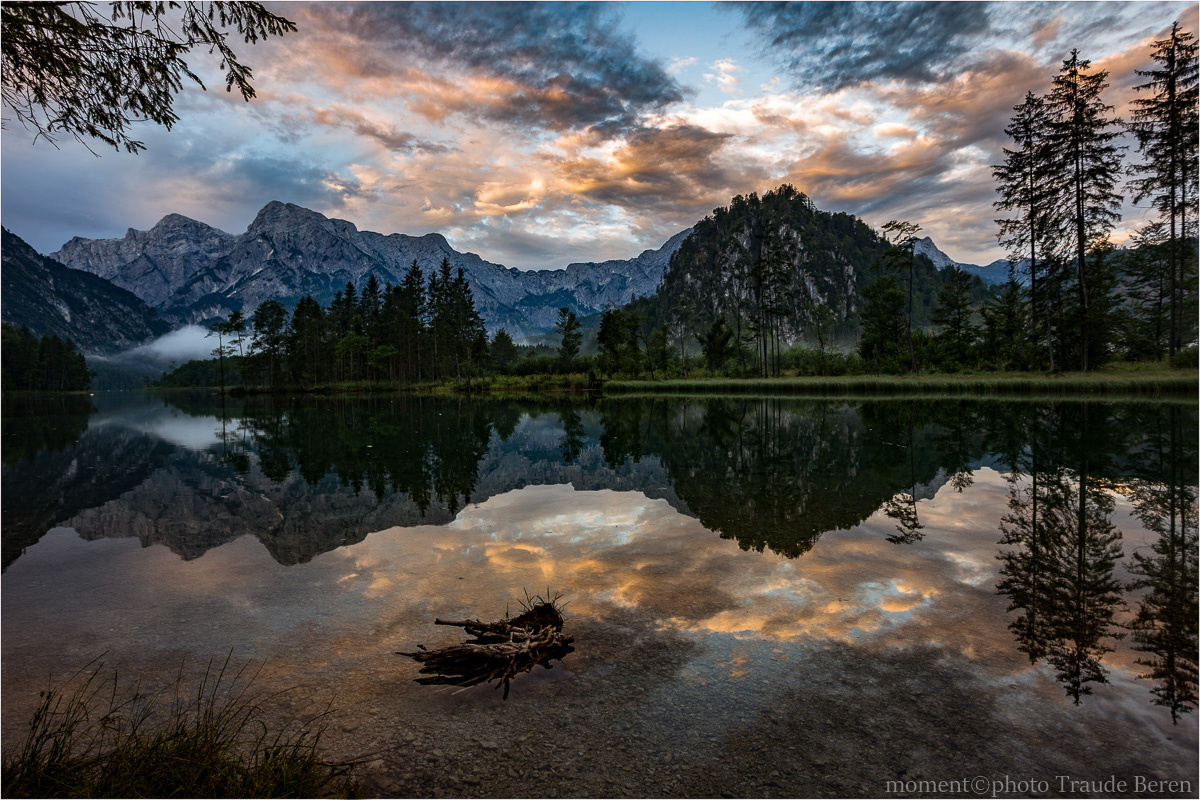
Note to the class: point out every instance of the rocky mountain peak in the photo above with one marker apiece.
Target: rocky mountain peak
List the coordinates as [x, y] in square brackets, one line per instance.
[192, 272]
[179, 222]
[276, 215]
[926, 247]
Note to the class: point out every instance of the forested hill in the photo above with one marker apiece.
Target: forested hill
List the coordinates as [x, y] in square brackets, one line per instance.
[775, 261]
[54, 300]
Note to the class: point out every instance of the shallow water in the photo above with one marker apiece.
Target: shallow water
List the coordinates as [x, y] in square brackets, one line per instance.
[780, 598]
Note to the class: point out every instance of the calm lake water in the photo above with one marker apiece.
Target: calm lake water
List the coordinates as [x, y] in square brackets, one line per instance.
[769, 597]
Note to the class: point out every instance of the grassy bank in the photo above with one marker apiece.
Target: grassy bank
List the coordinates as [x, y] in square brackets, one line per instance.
[486, 384]
[91, 736]
[1117, 382]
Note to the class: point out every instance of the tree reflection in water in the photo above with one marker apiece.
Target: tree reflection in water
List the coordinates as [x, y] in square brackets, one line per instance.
[309, 474]
[902, 507]
[1060, 573]
[1165, 626]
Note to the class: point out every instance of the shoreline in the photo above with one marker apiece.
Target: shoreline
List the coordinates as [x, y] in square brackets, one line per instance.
[1173, 384]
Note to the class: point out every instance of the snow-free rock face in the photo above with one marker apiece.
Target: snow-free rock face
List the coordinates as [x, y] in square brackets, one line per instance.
[995, 272]
[152, 264]
[193, 272]
[926, 247]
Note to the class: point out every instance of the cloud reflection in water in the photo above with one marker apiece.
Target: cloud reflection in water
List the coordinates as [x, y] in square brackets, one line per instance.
[610, 550]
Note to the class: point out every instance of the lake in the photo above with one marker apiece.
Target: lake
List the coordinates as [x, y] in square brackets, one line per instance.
[780, 597]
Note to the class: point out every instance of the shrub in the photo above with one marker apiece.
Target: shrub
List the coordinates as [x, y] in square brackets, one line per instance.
[93, 737]
[1187, 358]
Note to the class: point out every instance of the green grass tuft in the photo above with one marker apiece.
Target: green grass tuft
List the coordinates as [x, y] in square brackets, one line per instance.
[93, 737]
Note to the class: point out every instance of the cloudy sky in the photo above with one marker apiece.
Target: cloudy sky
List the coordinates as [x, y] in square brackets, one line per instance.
[540, 134]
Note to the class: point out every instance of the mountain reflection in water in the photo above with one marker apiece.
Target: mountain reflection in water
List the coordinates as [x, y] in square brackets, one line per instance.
[1041, 484]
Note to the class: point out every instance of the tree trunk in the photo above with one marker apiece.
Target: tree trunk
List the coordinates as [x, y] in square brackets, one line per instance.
[1081, 247]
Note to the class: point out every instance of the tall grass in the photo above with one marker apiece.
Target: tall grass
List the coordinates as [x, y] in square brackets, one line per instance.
[91, 736]
[1109, 384]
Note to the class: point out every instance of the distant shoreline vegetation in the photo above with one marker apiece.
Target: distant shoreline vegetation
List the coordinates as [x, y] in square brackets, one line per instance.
[1125, 380]
[41, 364]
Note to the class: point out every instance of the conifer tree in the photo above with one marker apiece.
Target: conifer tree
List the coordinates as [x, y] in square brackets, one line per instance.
[440, 318]
[370, 305]
[268, 322]
[1165, 124]
[503, 351]
[222, 350]
[1088, 164]
[567, 327]
[467, 335]
[1148, 272]
[631, 351]
[901, 257]
[412, 319]
[1025, 190]
[953, 313]
[305, 339]
[1005, 330]
[717, 344]
[610, 339]
[882, 325]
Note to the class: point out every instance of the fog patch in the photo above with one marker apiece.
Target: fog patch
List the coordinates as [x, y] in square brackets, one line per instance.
[129, 369]
[186, 344]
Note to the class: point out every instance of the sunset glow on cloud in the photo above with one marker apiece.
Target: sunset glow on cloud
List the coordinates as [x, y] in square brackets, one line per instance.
[540, 134]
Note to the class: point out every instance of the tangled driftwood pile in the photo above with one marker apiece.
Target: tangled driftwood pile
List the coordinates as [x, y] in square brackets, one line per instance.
[500, 650]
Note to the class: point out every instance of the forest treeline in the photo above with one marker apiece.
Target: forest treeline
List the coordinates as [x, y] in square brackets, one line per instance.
[772, 285]
[766, 271]
[423, 329]
[47, 363]
[1059, 193]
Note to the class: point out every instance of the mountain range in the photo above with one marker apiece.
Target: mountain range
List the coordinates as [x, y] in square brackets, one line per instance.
[192, 272]
[995, 273]
[109, 295]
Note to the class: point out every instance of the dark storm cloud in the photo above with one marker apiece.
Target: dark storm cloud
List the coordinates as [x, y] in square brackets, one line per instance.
[565, 66]
[835, 45]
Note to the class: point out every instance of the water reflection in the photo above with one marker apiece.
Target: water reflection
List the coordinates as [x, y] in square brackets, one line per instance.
[55, 465]
[306, 476]
[1165, 629]
[33, 424]
[1060, 574]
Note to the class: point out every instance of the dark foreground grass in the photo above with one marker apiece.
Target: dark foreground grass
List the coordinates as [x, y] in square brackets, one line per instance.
[93, 737]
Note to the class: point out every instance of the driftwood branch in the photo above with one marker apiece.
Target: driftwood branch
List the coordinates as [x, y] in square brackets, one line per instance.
[499, 650]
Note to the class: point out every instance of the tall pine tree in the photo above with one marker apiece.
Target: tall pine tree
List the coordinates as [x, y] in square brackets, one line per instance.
[1088, 164]
[1165, 124]
[1024, 184]
[901, 257]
